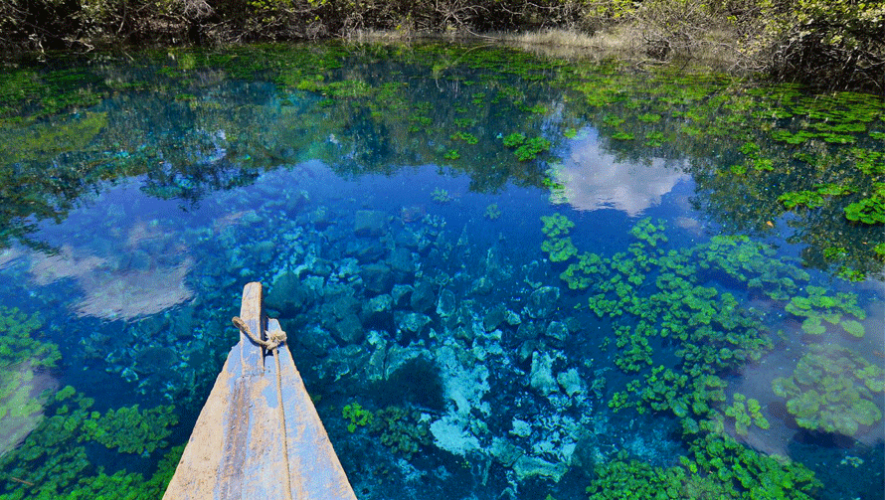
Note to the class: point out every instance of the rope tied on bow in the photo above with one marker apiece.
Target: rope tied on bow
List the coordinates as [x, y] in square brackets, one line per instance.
[274, 337]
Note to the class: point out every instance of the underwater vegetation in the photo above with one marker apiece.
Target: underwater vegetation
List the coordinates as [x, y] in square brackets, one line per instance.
[43, 435]
[400, 429]
[692, 298]
[765, 162]
[833, 390]
[24, 360]
[53, 463]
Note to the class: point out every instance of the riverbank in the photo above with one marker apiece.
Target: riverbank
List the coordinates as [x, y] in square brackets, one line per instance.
[828, 44]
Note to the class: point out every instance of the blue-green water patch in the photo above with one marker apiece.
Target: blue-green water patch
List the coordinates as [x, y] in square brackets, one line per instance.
[500, 276]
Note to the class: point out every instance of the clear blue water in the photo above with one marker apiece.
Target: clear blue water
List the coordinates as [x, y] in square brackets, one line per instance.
[405, 280]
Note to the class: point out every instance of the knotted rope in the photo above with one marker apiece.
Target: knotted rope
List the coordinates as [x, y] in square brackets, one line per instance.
[274, 337]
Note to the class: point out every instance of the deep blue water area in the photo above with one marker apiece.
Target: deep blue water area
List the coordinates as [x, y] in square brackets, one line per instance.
[458, 243]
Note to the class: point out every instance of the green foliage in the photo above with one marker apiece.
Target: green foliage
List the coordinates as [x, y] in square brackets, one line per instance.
[402, 430]
[440, 195]
[18, 342]
[817, 306]
[532, 148]
[493, 212]
[821, 40]
[53, 457]
[357, 416]
[832, 390]
[556, 225]
[746, 412]
[131, 430]
[559, 249]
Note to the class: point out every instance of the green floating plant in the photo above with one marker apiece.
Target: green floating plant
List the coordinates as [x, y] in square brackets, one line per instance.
[54, 460]
[556, 225]
[869, 210]
[559, 249]
[589, 268]
[717, 468]
[832, 389]
[514, 140]
[402, 430]
[18, 342]
[746, 412]
[493, 212]
[532, 148]
[645, 230]
[464, 136]
[452, 154]
[357, 416]
[818, 307]
[440, 195]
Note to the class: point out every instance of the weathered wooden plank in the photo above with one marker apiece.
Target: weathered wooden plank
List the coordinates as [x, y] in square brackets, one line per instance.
[259, 435]
[314, 467]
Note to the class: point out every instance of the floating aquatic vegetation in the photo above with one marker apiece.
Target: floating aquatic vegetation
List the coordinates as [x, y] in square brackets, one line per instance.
[357, 416]
[832, 390]
[493, 212]
[440, 195]
[23, 359]
[819, 306]
[53, 462]
[401, 430]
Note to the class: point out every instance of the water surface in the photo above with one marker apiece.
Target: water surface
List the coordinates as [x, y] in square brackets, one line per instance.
[501, 275]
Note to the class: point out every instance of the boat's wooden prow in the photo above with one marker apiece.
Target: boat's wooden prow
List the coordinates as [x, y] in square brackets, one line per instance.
[259, 435]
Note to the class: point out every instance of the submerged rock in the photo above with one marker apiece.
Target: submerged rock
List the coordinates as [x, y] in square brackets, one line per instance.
[369, 223]
[557, 333]
[422, 299]
[365, 251]
[411, 322]
[541, 377]
[348, 329]
[542, 302]
[494, 317]
[315, 340]
[529, 331]
[451, 434]
[447, 304]
[401, 264]
[289, 295]
[571, 382]
[377, 278]
[153, 359]
[377, 310]
[401, 294]
[505, 452]
[526, 467]
[482, 286]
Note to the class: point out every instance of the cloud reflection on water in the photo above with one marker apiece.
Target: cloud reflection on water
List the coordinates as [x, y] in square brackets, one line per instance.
[594, 179]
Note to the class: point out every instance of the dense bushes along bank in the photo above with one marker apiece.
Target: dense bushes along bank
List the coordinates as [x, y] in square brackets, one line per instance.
[828, 43]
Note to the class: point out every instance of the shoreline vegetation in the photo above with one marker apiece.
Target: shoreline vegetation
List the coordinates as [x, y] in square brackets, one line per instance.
[826, 44]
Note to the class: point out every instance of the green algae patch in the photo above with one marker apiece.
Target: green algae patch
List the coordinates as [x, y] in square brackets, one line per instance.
[832, 390]
[54, 461]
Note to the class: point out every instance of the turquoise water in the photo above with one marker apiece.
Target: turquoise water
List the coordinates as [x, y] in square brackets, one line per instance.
[522, 316]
